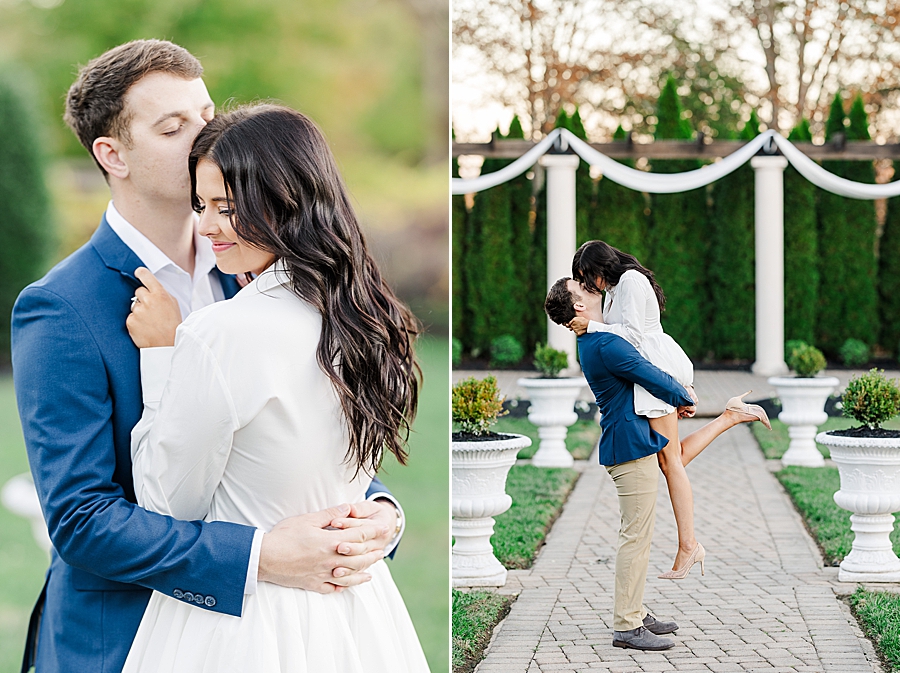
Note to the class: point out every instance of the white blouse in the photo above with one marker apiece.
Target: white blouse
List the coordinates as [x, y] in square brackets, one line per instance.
[630, 310]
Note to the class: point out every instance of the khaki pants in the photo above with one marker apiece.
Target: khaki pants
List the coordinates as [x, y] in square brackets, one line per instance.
[636, 485]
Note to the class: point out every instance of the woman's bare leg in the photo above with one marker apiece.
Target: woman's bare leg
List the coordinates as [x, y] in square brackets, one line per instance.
[680, 493]
[674, 458]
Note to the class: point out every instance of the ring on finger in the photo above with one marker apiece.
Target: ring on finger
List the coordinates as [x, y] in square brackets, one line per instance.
[134, 300]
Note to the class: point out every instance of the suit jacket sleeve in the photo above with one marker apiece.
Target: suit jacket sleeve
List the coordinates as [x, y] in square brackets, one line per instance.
[623, 360]
[66, 406]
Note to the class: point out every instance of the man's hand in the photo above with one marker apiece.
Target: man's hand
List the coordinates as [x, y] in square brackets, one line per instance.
[578, 325]
[693, 395]
[307, 552]
[687, 412]
[155, 314]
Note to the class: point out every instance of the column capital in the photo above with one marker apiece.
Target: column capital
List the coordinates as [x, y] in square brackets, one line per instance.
[772, 162]
[560, 160]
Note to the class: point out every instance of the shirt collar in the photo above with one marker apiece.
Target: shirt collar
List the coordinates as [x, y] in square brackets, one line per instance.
[153, 258]
[276, 274]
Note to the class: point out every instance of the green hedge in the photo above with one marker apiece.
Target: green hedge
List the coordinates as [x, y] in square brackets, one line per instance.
[801, 250]
[847, 267]
[459, 242]
[678, 237]
[731, 261]
[26, 228]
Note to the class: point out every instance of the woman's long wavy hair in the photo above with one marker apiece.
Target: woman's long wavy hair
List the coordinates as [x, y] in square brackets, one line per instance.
[599, 259]
[290, 200]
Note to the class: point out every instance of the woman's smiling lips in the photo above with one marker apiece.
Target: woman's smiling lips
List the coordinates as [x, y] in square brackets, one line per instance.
[222, 246]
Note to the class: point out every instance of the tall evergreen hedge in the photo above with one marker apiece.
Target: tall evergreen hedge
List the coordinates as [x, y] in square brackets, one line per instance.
[889, 277]
[584, 187]
[459, 253]
[619, 215]
[678, 237]
[489, 272]
[520, 214]
[801, 249]
[731, 261]
[26, 227]
[847, 266]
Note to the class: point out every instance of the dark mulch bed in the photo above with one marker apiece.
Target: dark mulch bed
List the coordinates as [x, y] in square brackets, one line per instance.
[864, 432]
[486, 437]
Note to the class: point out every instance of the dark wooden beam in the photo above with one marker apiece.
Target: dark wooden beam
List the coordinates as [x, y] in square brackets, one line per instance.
[688, 149]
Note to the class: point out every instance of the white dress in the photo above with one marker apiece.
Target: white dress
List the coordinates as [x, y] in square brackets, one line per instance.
[632, 312]
[249, 430]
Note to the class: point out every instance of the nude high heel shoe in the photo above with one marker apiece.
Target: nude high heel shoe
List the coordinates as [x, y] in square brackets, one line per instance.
[698, 555]
[738, 404]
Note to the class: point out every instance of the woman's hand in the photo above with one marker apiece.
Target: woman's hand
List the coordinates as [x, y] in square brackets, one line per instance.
[155, 313]
[578, 325]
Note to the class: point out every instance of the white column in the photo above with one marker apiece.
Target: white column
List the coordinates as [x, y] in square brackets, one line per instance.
[560, 237]
[769, 218]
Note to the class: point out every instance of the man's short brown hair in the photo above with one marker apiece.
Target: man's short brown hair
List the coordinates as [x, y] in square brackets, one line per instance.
[95, 104]
[560, 303]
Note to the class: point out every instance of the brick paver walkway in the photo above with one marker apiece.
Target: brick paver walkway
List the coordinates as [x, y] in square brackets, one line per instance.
[766, 602]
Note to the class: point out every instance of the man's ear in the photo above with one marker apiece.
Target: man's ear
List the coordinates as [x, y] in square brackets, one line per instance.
[109, 153]
[578, 306]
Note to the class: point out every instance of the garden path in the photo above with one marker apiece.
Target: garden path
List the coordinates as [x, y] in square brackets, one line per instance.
[767, 604]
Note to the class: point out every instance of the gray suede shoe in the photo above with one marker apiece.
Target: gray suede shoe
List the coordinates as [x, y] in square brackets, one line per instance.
[653, 625]
[641, 639]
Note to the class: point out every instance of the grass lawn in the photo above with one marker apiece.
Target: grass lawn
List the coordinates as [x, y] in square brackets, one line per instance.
[775, 443]
[580, 441]
[879, 614]
[538, 494]
[421, 567]
[475, 614]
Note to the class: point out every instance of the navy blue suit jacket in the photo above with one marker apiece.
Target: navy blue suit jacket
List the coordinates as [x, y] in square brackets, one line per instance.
[77, 379]
[612, 366]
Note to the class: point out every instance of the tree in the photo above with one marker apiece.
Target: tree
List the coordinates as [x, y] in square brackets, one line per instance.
[801, 250]
[489, 276]
[678, 234]
[889, 277]
[584, 186]
[619, 215]
[731, 261]
[847, 266]
[459, 236]
[26, 228]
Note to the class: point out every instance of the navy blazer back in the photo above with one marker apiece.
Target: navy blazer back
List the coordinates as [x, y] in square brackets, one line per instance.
[612, 366]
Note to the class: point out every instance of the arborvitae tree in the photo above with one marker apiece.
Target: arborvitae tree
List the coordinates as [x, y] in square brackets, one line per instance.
[562, 120]
[619, 215]
[490, 277]
[678, 235]
[520, 214]
[889, 275]
[26, 228]
[801, 250]
[731, 261]
[847, 266]
[584, 186]
[459, 252]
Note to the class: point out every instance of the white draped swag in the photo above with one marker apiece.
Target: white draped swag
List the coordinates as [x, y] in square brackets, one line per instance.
[768, 215]
[670, 183]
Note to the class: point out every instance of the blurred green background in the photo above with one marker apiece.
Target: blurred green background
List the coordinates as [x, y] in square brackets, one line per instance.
[374, 75]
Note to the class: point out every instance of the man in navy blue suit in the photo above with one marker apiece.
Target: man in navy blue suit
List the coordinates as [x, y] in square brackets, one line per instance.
[628, 448]
[137, 109]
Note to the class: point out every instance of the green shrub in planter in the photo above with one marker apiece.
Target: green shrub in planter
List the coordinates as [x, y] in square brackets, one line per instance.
[549, 361]
[805, 361]
[790, 346]
[457, 351]
[506, 351]
[477, 404]
[854, 353]
[871, 398]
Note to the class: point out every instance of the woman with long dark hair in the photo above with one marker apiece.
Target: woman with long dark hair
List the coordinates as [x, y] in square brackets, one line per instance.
[280, 401]
[631, 309]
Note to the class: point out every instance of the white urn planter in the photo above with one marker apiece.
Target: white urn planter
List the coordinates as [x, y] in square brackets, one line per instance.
[479, 494]
[20, 497]
[552, 410]
[870, 488]
[803, 410]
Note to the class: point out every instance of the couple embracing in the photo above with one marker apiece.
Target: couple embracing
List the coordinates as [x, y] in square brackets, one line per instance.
[207, 389]
[643, 383]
